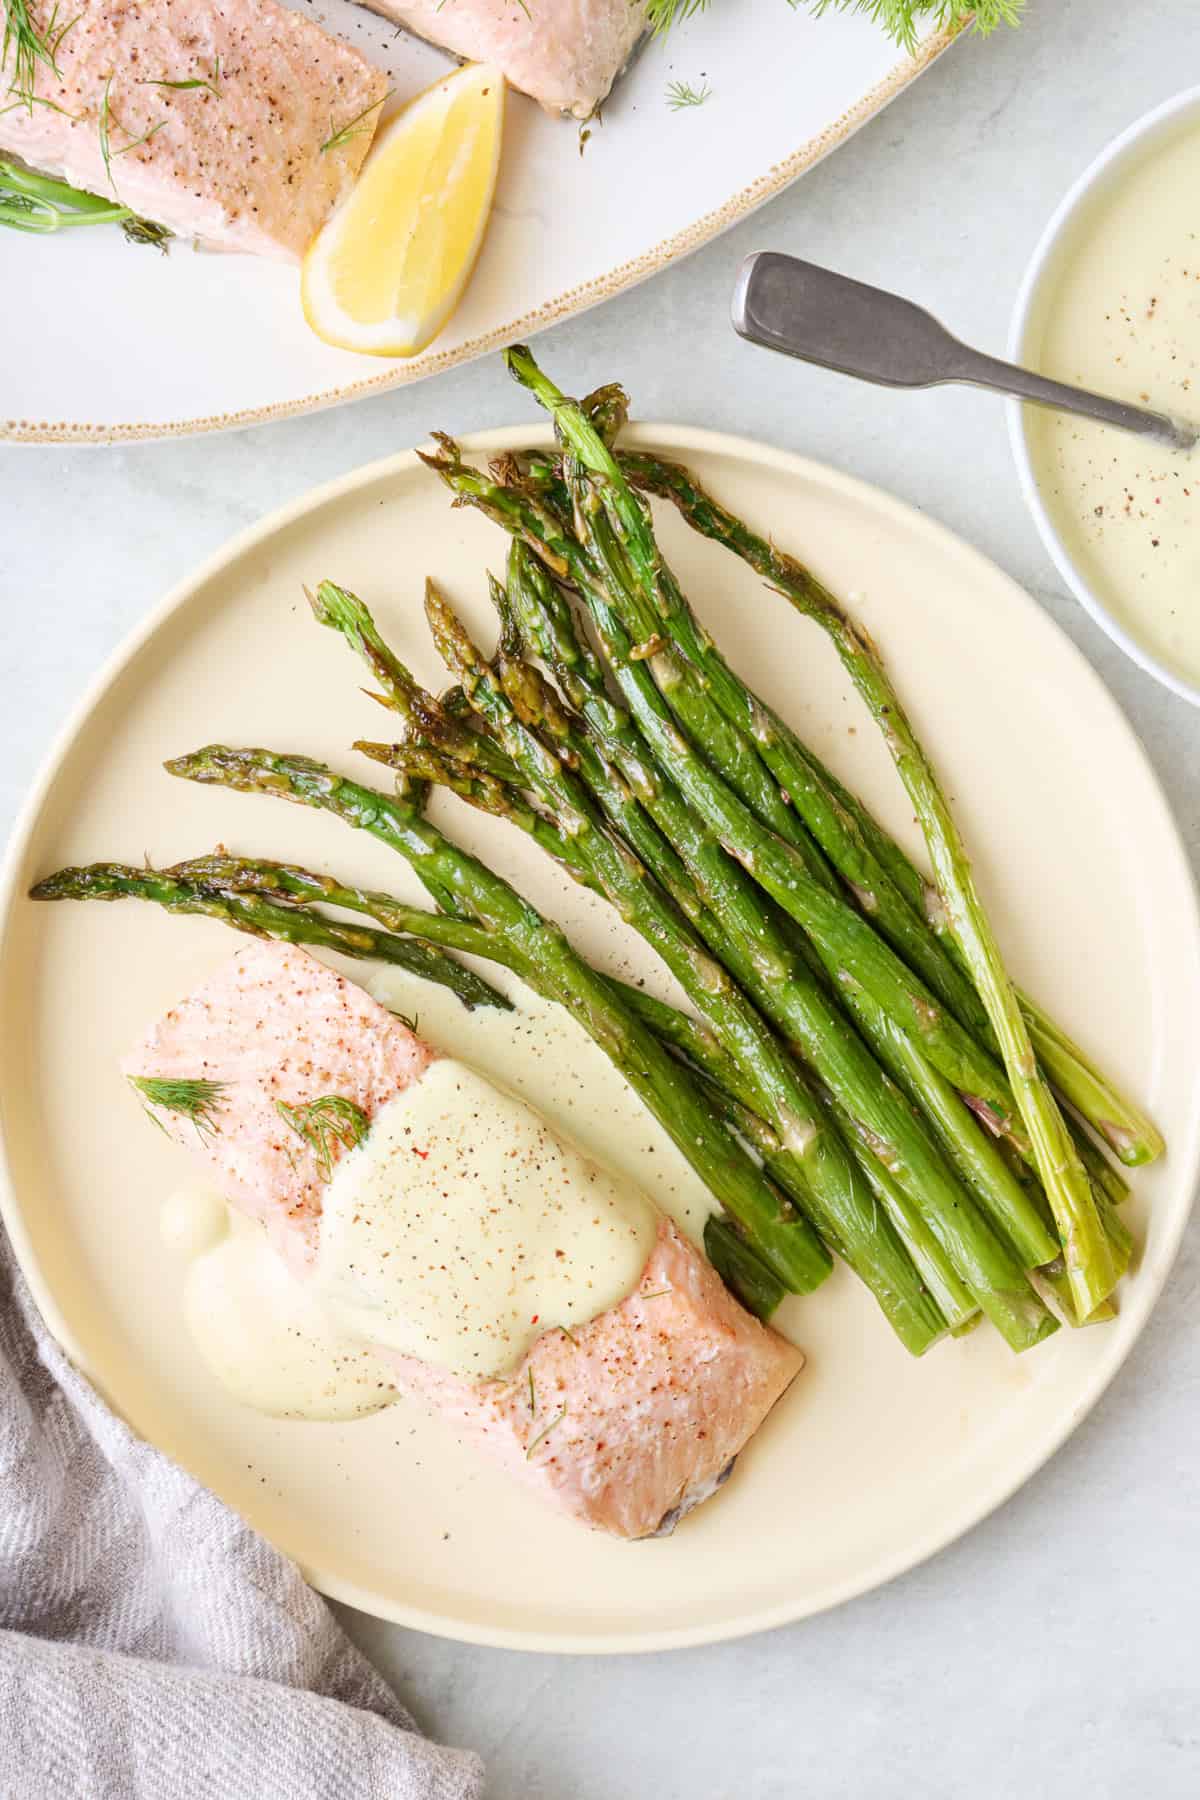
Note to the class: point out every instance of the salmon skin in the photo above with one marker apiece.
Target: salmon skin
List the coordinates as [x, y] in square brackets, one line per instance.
[566, 54]
[239, 158]
[627, 1423]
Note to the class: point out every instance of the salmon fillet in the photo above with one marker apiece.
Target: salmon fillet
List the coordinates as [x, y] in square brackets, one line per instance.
[566, 54]
[240, 167]
[625, 1425]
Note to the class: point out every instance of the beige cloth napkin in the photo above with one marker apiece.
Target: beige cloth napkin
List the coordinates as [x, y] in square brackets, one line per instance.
[153, 1646]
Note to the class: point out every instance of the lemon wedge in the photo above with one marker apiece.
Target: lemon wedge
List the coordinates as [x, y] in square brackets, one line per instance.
[390, 263]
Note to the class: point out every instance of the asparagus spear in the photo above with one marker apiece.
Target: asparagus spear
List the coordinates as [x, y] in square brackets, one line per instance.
[262, 914]
[1089, 1260]
[342, 611]
[555, 970]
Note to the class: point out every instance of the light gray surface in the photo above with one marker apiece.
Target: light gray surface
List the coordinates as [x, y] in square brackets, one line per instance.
[1055, 1649]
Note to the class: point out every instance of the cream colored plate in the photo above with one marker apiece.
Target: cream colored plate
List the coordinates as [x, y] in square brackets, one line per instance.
[184, 343]
[872, 1461]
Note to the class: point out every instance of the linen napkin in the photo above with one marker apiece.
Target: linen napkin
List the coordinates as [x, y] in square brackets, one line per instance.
[153, 1646]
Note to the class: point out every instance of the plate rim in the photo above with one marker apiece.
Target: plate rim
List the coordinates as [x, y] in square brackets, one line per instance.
[566, 305]
[1138, 1306]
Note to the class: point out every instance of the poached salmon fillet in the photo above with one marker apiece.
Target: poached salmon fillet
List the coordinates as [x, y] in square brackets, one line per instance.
[627, 1421]
[226, 123]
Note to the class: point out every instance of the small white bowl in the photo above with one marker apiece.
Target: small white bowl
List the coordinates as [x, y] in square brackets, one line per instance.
[1137, 142]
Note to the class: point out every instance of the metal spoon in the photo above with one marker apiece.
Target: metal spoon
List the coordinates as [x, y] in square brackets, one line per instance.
[840, 324]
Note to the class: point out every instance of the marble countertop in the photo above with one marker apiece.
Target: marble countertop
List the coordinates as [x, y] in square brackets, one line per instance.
[1055, 1648]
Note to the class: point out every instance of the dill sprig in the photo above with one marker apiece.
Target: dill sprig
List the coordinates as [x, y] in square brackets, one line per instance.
[138, 231]
[681, 94]
[901, 18]
[210, 82]
[29, 45]
[325, 1122]
[338, 138]
[194, 1099]
[662, 14]
[544, 1433]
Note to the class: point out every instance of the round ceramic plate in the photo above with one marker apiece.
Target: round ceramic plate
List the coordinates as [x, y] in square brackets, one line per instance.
[1076, 853]
[189, 342]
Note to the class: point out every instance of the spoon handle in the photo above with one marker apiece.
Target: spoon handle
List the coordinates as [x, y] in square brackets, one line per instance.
[828, 319]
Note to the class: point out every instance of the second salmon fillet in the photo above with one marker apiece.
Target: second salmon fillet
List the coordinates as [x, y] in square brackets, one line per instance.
[626, 1422]
[213, 120]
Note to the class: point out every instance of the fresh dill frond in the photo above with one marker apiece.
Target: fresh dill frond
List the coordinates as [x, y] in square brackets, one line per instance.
[545, 1433]
[38, 100]
[662, 14]
[681, 94]
[325, 1122]
[212, 83]
[191, 1099]
[30, 46]
[341, 136]
[55, 33]
[136, 143]
[532, 1393]
[901, 19]
[106, 120]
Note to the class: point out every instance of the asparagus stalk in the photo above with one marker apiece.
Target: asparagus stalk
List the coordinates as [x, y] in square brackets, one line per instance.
[1089, 1260]
[552, 967]
[342, 611]
[1126, 1128]
[266, 913]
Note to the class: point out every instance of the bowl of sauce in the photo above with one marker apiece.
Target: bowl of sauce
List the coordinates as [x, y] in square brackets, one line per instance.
[1111, 302]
